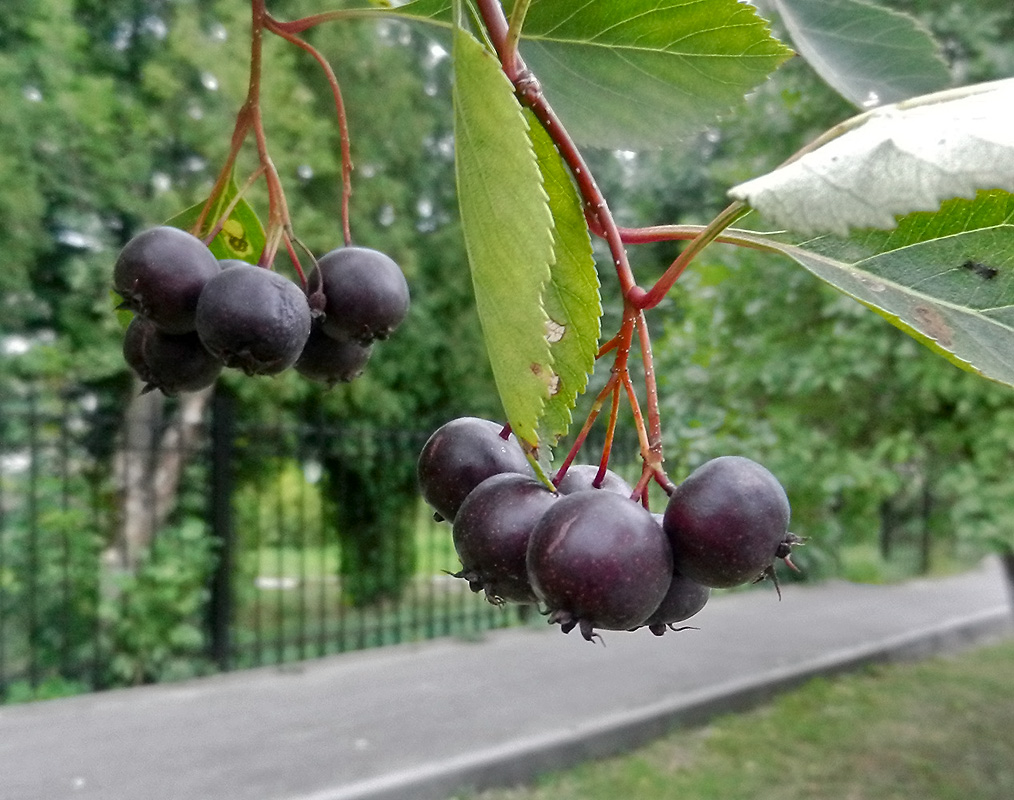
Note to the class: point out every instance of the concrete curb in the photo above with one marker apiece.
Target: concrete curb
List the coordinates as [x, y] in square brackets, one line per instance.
[522, 760]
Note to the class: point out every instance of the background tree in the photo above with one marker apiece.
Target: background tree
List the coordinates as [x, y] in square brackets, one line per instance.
[117, 119]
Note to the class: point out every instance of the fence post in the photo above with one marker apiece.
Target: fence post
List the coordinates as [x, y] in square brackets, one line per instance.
[220, 602]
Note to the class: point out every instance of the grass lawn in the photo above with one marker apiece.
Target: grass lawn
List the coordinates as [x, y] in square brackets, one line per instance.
[941, 729]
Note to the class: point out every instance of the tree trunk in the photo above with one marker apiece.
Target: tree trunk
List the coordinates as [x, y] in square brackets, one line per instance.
[148, 465]
[1007, 559]
[926, 531]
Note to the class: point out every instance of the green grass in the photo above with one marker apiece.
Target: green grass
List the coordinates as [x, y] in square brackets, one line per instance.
[941, 729]
[434, 550]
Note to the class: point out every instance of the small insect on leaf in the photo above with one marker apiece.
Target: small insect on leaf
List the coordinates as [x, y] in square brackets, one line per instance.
[236, 236]
[982, 270]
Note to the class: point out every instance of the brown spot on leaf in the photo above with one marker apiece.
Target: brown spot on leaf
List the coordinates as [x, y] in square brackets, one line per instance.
[932, 323]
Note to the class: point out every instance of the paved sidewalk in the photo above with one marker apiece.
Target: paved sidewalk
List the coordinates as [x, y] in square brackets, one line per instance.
[417, 722]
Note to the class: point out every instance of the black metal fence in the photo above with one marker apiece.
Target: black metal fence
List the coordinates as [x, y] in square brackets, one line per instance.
[161, 539]
[198, 541]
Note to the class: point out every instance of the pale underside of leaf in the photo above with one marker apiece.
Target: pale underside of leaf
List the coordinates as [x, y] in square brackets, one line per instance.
[571, 297]
[508, 232]
[945, 278]
[902, 159]
[869, 54]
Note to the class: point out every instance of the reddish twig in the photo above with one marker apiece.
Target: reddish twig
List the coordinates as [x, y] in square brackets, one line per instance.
[223, 217]
[600, 218]
[283, 30]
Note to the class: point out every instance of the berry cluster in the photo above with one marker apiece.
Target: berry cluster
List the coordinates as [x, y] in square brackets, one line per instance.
[195, 314]
[591, 556]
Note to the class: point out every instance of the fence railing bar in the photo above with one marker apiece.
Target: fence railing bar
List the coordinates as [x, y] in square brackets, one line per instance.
[32, 577]
[4, 676]
[65, 533]
[246, 484]
[220, 601]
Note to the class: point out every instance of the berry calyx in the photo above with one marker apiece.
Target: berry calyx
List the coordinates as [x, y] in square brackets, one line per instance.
[684, 599]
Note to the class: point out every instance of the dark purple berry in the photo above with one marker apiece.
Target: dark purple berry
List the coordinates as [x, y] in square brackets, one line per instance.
[491, 533]
[160, 274]
[171, 363]
[683, 599]
[330, 361]
[366, 295]
[459, 456]
[253, 319]
[727, 522]
[133, 346]
[179, 363]
[598, 560]
[581, 478]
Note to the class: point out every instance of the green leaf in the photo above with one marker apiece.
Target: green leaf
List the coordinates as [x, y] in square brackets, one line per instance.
[642, 73]
[868, 54]
[508, 233]
[123, 316]
[638, 73]
[242, 235]
[945, 278]
[895, 160]
[436, 11]
[572, 296]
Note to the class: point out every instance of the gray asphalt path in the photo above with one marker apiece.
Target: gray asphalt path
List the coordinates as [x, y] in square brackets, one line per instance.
[419, 721]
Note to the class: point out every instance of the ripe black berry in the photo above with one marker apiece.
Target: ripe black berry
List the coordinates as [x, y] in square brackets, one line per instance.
[172, 363]
[254, 319]
[459, 456]
[727, 522]
[491, 532]
[330, 361]
[683, 599]
[366, 295]
[133, 346]
[598, 560]
[581, 478]
[160, 274]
